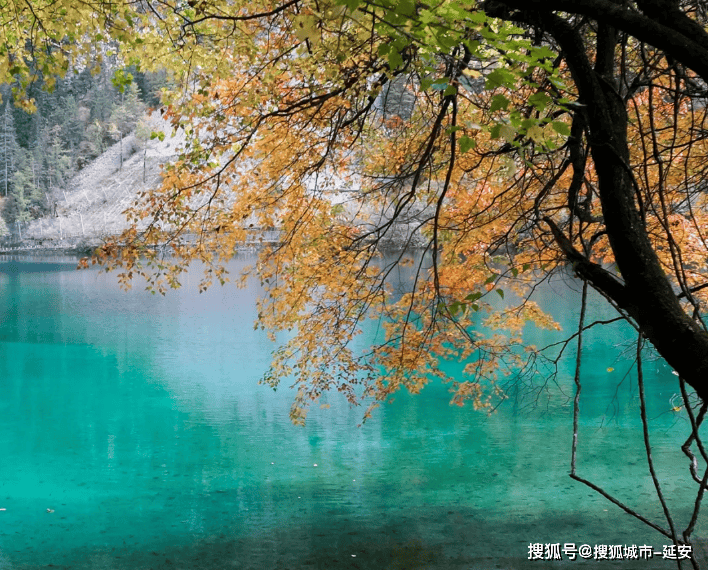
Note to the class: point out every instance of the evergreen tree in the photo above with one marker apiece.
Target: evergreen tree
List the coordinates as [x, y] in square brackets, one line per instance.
[23, 191]
[73, 123]
[150, 85]
[40, 156]
[102, 97]
[126, 115]
[92, 144]
[68, 118]
[9, 149]
[58, 161]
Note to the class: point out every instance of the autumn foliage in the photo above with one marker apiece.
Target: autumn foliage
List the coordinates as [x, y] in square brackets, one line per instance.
[360, 131]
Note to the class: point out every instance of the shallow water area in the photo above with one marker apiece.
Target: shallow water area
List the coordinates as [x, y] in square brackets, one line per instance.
[135, 435]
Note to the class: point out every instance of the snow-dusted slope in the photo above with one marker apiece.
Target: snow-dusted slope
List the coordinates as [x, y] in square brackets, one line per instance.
[93, 203]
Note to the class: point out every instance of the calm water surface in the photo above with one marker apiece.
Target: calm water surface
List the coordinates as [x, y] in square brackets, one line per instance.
[138, 421]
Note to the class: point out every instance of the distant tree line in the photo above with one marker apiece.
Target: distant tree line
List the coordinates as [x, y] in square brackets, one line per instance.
[81, 116]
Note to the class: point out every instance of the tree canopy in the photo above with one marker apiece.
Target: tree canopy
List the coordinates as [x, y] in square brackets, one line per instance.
[517, 138]
[508, 139]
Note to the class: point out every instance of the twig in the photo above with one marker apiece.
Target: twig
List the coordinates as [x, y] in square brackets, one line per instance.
[576, 414]
[695, 424]
[647, 445]
[578, 386]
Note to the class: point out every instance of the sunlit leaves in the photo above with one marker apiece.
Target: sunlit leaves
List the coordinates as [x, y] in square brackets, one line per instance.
[289, 146]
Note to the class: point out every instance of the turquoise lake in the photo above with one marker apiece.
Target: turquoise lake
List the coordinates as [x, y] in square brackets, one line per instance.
[134, 435]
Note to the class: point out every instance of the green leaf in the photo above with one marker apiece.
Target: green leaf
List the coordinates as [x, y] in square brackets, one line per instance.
[350, 4]
[539, 100]
[561, 128]
[404, 7]
[394, 59]
[536, 134]
[543, 51]
[477, 16]
[500, 292]
[500, 78]
[466, 143]
[499, 102]
[121, 79]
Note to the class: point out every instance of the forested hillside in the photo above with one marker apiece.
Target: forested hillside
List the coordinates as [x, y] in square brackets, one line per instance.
[75, 122]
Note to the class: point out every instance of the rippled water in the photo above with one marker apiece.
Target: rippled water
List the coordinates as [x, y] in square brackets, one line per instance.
[133, 434]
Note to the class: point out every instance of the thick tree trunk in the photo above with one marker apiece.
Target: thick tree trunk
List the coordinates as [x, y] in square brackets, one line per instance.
[654, 304]
[647, 294]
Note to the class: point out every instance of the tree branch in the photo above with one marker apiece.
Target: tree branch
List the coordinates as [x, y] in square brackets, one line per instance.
[674, 32]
